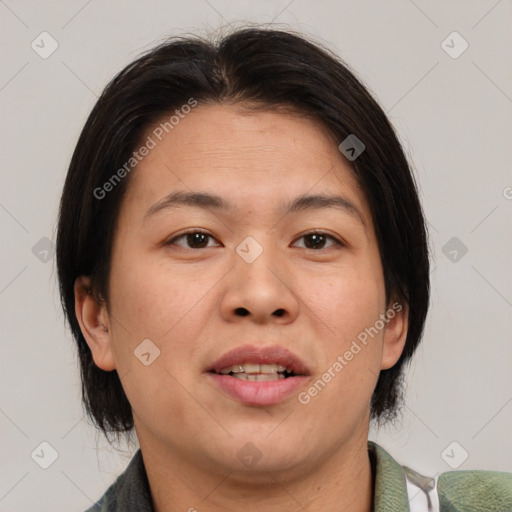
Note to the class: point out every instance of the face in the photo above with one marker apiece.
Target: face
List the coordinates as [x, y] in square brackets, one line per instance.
[257, 275]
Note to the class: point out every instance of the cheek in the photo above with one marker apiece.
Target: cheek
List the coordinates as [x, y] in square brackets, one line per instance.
[148, 290]
[345, 301]
[343, 384]
[346, 306]
[152, 301]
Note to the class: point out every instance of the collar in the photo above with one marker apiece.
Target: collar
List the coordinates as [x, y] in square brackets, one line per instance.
[131, 490]
[390, 488]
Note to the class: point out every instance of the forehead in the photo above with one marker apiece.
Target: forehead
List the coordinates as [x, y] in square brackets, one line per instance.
[248, 157]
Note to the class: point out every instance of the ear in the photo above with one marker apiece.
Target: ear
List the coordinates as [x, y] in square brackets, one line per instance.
[395, 334]
[91, 313]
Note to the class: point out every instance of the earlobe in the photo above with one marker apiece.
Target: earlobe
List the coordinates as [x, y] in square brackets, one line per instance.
[395, 334]
[92, 316]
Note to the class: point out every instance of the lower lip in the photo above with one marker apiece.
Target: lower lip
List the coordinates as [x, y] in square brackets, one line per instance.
[258, 393]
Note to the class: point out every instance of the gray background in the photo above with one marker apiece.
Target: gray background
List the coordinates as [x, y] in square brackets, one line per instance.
[454, 118]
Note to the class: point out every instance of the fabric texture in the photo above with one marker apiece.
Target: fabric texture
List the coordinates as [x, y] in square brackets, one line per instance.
[459, 491]
[475, 491]
[129, 493]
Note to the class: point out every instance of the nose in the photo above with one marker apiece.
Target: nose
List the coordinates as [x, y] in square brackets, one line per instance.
[261, 290]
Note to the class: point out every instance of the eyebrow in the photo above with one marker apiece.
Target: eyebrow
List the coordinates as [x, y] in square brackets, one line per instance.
[207, 201]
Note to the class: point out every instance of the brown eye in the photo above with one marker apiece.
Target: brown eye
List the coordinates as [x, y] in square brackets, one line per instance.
[193, 240]
[317, 241]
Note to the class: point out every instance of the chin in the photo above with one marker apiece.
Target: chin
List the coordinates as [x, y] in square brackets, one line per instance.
[257, 451]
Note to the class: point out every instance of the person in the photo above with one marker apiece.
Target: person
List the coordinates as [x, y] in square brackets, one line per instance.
[243, 262]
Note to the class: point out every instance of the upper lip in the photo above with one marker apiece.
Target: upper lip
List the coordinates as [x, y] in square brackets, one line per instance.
[260, 355]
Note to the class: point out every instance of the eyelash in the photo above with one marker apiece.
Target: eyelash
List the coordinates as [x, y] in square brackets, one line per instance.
[309, 233]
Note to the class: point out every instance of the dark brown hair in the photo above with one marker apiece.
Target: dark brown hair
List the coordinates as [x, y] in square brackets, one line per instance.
[259, 66]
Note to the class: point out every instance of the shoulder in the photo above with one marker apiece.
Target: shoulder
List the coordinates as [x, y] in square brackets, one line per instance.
[453, 491]
[130, 492]
[475, 490]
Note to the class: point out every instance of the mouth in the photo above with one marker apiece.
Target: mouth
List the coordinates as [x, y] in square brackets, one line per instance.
[258, 375]
[255, 372]
[274, 361]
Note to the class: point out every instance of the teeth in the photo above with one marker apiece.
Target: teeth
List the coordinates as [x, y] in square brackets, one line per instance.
[251, 368]
[268, 368]
[259, 377]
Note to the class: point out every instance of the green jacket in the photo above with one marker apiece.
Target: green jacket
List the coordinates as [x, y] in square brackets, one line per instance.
[457, 491]
[396, 489]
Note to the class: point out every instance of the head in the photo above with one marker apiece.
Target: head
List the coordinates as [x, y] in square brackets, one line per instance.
[255, 120]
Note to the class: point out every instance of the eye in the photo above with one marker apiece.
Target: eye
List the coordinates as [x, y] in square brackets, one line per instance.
[318, 240]
[195, 239]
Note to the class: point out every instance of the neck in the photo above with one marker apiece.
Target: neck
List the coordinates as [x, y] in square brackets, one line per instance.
[341, 482]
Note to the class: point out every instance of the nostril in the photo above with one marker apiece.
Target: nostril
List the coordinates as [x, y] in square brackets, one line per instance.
[241, 311]
[279, 312]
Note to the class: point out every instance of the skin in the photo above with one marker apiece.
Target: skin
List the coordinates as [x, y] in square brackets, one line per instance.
[185, 300]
